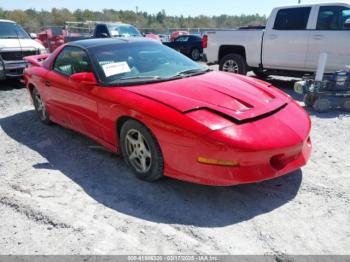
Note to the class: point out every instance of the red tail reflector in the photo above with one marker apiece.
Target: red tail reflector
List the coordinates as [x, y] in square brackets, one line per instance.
[205, 41]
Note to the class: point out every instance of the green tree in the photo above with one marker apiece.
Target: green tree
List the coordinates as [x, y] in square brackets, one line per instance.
[34, 20]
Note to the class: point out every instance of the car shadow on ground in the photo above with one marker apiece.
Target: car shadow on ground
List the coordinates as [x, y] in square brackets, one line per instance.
[11, 84]
[105, 178]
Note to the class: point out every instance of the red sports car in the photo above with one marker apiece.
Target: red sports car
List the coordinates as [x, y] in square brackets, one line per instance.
[168, 115]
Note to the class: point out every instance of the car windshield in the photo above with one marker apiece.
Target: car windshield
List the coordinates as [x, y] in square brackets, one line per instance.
[11, 30]
[123, 30]
[146, 61]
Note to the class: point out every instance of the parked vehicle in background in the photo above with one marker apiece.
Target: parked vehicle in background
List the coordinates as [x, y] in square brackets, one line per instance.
[106, 30]
[164, 38]
[15, 43]
[176, 34]
[153, 36]
[290, 44]
[52, 37]
[189, 45]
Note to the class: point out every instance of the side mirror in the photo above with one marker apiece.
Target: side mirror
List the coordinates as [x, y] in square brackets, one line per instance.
[84, 79]
[33, 35]
[347, 24]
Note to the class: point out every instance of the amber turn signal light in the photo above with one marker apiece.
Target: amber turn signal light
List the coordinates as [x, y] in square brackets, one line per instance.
[217, 162]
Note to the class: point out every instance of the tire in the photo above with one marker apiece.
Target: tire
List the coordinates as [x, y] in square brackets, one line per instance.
[233, 63]
[141, 151]
[195, 54]
[40, 107]
[346, 105]
[260, 74]
[322, 105]
[309, 100]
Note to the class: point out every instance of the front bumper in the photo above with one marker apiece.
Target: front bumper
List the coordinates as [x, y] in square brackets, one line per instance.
[257, 172]
[265, 149]
[12, 69]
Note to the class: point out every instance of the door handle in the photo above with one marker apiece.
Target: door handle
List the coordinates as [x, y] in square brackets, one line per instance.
[272, 37]
[318, 37]
[47, 83]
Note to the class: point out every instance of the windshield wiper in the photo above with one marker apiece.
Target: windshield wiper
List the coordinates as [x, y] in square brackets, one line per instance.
[192, 72]
[134, 79]
[139, 78]
[9, 37]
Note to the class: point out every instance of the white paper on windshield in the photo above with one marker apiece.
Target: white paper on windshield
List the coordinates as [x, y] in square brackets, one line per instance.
[116, 68]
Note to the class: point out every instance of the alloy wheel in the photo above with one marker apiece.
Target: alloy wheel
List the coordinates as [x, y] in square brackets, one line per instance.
[40, 106]
[195, 54]
[138, 151]
[230, 66]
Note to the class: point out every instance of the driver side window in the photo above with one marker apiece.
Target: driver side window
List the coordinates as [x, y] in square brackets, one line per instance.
[182, 39]
[332, 18]
[72, 60]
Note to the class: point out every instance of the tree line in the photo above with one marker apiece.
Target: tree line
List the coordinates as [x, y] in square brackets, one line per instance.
[33, 20]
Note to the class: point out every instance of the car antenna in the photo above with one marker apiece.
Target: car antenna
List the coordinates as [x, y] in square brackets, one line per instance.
[19, 41]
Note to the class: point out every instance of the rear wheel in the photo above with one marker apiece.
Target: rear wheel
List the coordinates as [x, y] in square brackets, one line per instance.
[322, 105]
[40, 107]
[233, 63]
[195, 54]
[141, 151]
[346, 105]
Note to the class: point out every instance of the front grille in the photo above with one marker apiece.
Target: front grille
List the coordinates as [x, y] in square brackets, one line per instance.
[16, 55]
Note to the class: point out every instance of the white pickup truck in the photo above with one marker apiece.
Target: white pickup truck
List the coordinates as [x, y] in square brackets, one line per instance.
[15, 44]
[290, 44]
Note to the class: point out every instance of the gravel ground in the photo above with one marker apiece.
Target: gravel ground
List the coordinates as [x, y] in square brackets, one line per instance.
[60, 194]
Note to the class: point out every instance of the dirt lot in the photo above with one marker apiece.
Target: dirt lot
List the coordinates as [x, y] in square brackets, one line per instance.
[61, 195]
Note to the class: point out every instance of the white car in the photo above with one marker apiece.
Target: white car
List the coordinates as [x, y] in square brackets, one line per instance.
[15, 43]
[290, 44]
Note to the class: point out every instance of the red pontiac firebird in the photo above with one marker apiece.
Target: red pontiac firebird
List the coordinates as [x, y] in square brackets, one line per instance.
[168, 115]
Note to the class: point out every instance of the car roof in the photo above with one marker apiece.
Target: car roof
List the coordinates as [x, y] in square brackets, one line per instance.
[114, 24]
[7, 21]
[94, 42]
[311, 4]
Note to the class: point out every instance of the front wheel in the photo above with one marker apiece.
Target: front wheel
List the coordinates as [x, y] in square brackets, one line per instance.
[40, 107]
[233, 63]
[141, 151]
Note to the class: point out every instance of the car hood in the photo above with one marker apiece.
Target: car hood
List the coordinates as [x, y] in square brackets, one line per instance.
[20, 43]
[238, 97]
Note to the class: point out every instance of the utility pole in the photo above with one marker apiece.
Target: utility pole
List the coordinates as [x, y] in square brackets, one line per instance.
[137, 9]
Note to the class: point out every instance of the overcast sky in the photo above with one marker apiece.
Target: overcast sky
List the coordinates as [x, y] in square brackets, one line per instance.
[173, 7]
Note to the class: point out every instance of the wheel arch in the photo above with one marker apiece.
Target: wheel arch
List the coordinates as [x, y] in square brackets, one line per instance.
[124, 118]
[31, 88]
[121, 121]
[231, 49]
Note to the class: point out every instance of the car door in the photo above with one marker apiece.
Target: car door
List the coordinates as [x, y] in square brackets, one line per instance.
[285, 42]
[189, 45]
[183, 42]
[76, 105]
[330, 36]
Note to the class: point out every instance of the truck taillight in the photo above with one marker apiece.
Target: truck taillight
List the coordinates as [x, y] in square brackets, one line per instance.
[205, 41]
